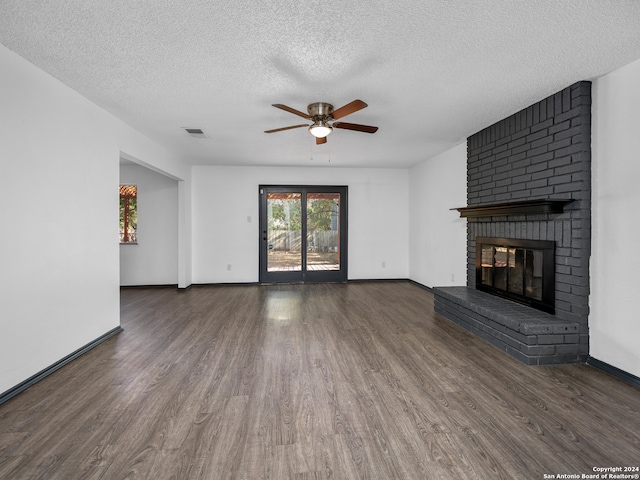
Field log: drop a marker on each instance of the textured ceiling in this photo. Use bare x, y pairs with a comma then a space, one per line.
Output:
432, 71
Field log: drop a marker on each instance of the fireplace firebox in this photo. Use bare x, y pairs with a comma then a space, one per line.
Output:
520, 270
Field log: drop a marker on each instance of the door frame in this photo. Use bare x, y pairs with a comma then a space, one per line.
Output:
303, 276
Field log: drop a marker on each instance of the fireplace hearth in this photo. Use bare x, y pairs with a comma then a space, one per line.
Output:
520, 270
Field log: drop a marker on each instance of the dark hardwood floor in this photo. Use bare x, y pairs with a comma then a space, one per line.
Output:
327, 381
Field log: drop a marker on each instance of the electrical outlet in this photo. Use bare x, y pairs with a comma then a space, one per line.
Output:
384, 264
228, 267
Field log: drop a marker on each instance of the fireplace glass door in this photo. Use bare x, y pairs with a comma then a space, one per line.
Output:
516, 270
519, 271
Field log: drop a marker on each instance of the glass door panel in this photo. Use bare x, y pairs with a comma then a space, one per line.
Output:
487, 264
533, 274
516, 272
284, 232
323, 231
500, 268
303, 234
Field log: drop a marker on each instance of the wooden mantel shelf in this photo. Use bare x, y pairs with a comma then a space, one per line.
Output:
515, 208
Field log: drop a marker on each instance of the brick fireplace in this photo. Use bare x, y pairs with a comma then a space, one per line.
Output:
529, 179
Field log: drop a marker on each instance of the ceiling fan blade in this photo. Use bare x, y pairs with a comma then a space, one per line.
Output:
286, 128
348, 109
291, 110
356, 127
320, 141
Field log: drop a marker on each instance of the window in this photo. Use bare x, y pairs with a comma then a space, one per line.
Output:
128, 213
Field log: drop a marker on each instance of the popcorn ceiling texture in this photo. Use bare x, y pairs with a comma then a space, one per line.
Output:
432, 71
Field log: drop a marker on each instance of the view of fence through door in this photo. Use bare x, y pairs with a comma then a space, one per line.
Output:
284, 231
323, 231
303, 234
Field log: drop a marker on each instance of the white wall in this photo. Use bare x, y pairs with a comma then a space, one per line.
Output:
154, 259
437, 235
59, 279
224, 198
614, 320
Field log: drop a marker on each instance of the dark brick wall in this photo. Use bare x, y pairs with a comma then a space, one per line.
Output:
541, 152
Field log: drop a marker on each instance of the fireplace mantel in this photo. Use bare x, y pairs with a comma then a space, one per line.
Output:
515, 208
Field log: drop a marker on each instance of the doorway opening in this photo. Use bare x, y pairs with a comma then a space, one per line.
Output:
303, 234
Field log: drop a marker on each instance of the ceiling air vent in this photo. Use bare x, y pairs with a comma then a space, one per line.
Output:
196, 133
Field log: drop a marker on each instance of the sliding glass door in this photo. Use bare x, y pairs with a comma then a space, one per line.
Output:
303, 234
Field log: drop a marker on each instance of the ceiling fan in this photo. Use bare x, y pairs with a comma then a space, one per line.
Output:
323, 116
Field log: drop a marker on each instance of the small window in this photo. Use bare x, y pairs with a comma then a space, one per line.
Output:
128, 213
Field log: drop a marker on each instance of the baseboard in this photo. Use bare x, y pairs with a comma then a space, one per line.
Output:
372, 280
615, 371
408, 280
351, 280
234, 284
418, 284
21, 387
167, 285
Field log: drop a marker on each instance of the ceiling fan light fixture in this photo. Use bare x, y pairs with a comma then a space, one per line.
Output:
320, 129
323, 117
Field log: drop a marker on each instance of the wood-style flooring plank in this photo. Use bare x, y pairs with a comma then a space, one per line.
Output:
325, 381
